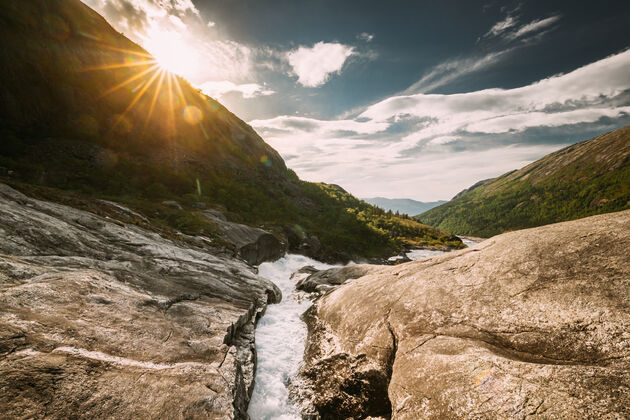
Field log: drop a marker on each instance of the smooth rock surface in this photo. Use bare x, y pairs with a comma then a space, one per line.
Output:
528, 324
100, 319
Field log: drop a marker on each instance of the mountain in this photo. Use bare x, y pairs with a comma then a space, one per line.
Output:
402, 205
587, 178
87, 115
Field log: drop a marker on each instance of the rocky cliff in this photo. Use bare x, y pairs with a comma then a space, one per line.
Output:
102, 319
528, 324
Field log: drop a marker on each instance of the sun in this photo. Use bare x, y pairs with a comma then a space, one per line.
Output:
172, 53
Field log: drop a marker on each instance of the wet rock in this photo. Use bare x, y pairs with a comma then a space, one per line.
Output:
305, 271
252, 244
109, 320
528, 324
398, 259
325, 279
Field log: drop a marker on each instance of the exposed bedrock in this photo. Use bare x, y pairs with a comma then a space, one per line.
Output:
100, 319
532, 323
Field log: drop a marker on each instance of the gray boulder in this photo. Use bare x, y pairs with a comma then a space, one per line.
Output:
252, 244
324, 280
528, 324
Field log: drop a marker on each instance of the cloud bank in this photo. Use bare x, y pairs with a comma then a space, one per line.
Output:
431, 146
247, 90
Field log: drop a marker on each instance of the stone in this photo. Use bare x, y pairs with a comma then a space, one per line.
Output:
254, 245
527, 324
305, 271
331, 277
110, 320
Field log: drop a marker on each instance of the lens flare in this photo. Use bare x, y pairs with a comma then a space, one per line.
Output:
192, 115
265, 160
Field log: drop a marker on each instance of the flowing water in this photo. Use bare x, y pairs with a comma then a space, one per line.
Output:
280, 338
281, 335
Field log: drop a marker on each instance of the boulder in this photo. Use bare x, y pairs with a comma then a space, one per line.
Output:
102, 319
325, 279
252, 244
528, 324
304, 272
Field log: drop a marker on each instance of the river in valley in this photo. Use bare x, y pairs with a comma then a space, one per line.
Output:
281, 336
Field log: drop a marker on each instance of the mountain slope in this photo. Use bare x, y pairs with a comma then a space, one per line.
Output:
86, 114
402, 205
587, 178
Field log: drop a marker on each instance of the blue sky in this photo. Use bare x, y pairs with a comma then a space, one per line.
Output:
416, 99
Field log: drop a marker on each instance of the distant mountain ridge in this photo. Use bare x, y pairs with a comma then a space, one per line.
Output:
587, 178
403, 205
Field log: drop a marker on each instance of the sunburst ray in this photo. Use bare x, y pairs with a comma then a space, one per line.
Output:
129, 80
120, 65
158, 89
137, 98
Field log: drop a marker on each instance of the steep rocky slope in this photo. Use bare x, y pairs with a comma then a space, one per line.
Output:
102, 319
84, 109
587, 178
527, 324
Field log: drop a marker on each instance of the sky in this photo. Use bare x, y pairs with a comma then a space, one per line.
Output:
399, 99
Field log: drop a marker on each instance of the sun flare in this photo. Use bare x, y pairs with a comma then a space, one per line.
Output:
172, 53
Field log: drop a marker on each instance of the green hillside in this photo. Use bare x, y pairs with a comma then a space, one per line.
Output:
86, 114
587, 178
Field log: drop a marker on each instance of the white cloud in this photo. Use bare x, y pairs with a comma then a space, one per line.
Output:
523, 121
501, 26
217, 89
591, 83
512, 38
364, 36
430, 146
317, 127
314, 65
211, 24
450, 70
532, 27
508, 29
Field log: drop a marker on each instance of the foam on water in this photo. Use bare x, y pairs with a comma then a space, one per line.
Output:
280, 339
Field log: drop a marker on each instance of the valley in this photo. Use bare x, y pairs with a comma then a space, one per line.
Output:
159, 259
